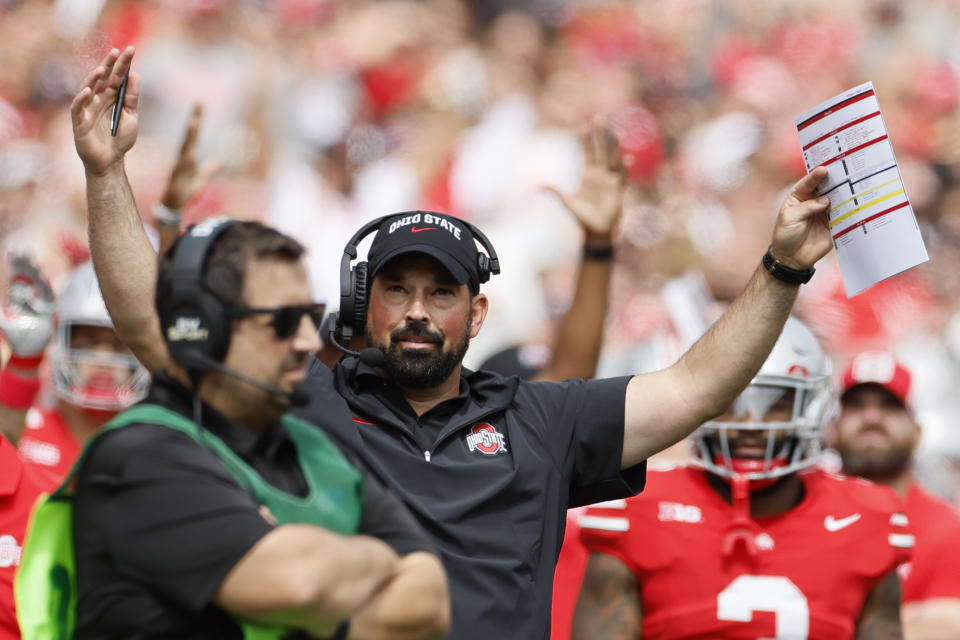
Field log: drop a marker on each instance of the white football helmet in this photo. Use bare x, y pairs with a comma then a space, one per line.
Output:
796, 367
121, 381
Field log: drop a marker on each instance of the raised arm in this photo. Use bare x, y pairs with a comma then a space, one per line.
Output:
609, 603
880, 616
663, 407
187, 178
597, 205
122, 256
26, 321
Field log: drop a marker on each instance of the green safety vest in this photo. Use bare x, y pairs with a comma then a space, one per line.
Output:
45, 584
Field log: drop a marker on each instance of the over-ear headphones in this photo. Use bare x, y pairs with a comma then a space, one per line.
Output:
197, 329
355, 282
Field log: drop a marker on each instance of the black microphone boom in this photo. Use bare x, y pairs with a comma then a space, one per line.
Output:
299, 396
371, 356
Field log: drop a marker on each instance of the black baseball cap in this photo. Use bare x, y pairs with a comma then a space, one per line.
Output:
440, 236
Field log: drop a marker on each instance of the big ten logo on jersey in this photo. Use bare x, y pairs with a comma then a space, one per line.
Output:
484, 438
430, 222
9, 552
676, 512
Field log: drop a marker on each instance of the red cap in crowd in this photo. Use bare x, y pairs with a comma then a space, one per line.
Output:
879, 368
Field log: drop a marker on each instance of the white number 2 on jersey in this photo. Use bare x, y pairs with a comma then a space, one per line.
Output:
747, 594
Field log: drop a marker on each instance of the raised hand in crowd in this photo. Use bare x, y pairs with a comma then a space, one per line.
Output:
598, 202
27, 323
597, 205
187, 179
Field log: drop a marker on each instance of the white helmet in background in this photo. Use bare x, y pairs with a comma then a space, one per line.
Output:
96, 379
796, 370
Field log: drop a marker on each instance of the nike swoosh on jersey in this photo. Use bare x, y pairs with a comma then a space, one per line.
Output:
833, 524
418, 230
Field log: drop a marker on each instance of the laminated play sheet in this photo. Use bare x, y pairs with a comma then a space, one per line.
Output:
875, 232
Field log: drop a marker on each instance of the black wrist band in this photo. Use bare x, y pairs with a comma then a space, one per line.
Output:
596, 252
784, 273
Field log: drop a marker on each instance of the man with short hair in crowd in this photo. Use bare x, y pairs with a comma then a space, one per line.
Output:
876, 435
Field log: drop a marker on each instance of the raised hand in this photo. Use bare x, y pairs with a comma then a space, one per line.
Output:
801, 235
26, 316
188, 176
92, 108
598, 202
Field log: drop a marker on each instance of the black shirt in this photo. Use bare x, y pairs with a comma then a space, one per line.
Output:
489, 474
159, 522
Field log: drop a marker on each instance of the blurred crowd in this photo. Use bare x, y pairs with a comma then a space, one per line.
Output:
328, 113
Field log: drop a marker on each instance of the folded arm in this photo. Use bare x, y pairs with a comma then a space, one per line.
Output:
306, 577
414, 603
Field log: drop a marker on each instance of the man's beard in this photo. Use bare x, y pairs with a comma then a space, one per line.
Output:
875, 464
422, 368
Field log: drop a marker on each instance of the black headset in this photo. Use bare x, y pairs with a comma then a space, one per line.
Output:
197, 330
354, 282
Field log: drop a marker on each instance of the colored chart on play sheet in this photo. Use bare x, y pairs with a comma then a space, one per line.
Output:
874, 230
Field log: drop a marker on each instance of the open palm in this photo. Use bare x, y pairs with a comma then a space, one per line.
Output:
92, 108
599, 200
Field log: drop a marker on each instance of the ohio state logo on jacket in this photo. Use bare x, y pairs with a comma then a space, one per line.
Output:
486, 439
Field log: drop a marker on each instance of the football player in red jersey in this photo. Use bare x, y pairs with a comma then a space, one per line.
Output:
95, 375
20, 484
749, 541
876, 435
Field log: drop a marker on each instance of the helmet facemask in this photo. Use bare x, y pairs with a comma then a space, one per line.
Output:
96, 379
774, 424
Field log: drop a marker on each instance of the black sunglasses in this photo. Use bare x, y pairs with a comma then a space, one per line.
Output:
286, 320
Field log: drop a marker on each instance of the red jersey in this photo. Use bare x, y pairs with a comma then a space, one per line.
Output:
567, 577
813, 567
20, 484
47, 441
934, 571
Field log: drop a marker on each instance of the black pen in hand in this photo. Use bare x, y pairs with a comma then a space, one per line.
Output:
118, 105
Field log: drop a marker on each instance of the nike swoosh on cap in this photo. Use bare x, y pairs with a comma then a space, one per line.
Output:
418, 230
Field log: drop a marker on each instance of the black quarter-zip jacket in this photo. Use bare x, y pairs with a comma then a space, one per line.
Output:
489, 475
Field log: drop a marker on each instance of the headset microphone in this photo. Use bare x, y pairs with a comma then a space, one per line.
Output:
371, 356
298, 396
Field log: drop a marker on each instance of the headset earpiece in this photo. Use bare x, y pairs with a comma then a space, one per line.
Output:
483, 267
487, 263
355, 283
361, 283
352, 318
197, 327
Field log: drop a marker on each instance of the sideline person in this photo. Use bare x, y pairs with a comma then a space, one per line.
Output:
487, 465
206, 511
876, 436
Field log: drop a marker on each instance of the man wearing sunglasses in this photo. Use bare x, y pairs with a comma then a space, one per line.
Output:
487, 464
207, 511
